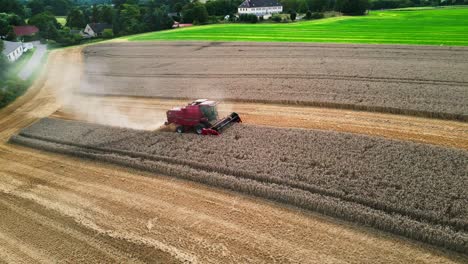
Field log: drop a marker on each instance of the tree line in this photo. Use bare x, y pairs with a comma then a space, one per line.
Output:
138, 16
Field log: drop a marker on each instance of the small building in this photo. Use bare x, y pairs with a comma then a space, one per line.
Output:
93, 30
260, 7
21, 31
12, 50
178, 25
27, 46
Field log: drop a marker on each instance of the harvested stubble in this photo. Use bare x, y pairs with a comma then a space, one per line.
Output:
411, 80
406, 188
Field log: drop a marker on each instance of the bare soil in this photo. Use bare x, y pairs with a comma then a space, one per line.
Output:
426, 81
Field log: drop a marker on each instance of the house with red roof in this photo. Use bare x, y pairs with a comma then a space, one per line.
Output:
21, 31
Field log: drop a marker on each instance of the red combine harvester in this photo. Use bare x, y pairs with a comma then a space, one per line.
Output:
200, 115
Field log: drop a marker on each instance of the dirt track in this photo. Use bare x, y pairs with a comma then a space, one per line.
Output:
60, 199
149, 113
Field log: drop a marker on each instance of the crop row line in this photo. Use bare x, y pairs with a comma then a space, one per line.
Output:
256, 56
283, 76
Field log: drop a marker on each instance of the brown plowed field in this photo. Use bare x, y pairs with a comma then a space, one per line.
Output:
111, 212
424, 81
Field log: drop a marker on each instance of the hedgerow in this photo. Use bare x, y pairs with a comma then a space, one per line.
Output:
406, 188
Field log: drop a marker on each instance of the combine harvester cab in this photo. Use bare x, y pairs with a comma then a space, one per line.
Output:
202, 116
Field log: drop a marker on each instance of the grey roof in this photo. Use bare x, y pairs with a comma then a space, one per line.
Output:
98, 28
259, 3
75, 31
9, 47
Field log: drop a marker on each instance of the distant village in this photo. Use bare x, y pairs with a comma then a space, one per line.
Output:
13, 50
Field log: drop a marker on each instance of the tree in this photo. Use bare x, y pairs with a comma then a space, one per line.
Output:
178, 7
303, 6
293, 15
59, 7
76, 19
47, 24
195, 12
200, 13
3, 63
221, 7
108, 33
106, 14
308, 15
129, 19
11, 36
36, 6
12, 6
276, 17
94, 14
352, 7
4, 25
158, 19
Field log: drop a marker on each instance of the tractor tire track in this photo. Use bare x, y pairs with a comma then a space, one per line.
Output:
281, 76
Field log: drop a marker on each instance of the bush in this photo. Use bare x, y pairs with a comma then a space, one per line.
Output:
249, 18
313, 15
176, 18
317, 15
276, 17
10, 89
213, 19
293, 15
108, 33
352, 7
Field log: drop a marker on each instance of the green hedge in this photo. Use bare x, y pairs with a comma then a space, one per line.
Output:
10, 89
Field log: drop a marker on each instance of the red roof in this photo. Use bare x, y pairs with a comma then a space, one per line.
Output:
25, 30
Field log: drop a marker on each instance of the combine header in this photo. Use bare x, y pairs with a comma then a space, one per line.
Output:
202, 116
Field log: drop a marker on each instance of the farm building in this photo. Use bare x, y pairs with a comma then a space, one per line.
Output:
95, 29
260, 7
12, 50
21, 31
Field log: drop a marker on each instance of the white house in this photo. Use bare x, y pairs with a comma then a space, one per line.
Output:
260, 7
12, 50
95, 29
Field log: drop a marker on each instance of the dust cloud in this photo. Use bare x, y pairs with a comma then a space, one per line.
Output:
99, 109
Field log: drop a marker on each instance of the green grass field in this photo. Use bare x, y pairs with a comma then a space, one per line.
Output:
62, 20
440, 26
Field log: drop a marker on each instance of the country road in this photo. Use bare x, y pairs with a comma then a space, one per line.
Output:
57, 208
34, 61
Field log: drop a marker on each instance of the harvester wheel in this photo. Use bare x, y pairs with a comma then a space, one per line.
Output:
199, 129
180, 129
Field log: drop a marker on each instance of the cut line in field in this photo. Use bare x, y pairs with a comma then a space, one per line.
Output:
150, 111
